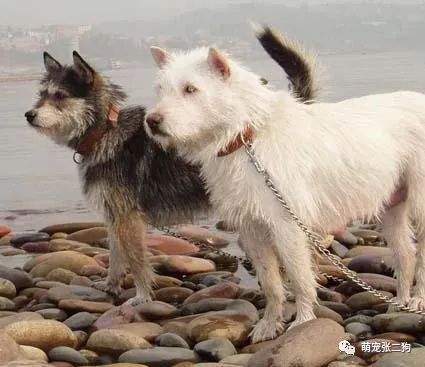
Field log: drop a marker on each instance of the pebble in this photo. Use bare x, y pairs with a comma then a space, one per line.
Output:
241, 359
290, 350
19, 239
92, 236
163, 281
7, 288
66, 354
171, 340
81, 305
378, 281
361, 331
36, 247
372, 264
346, 238
173, 295
146, 330
398, 337
202, 235
364, 300
77, 292
116, 316
33, 353
61, 275
170, 245
368, 235
46, 284
115, 342
80, 321
19, 278
43, 334
65, 244
69, 260
199, 278
53, 314
83, 281
399, 322
180, 264
222, 290
369, 250
157, 310
70, 227
5, 240
12, 251
159, 356
358, 318
89, 270
339, 249
415, 358
6, 304
326, 313
215, 349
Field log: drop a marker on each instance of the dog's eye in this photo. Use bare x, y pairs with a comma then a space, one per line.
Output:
59, 96
189, 89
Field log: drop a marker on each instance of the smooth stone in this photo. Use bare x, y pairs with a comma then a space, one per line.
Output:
170, 245
115, 342
34, 293
5, 240
339, 249
238, 359
326, 294
124, 365
66, 354
12, 251
43, 334
69, 260
180, 264
83, 281
61, 275
332, 270
377, 281
41, 306
6, 304
53, 314
171, 340
364, 300
368, 235
157, 310
91, 251
81, 305
340, 308
69, 228
78, 292
326, 313
81, 337
347, 238
33, 353
116, 316
227, 324
65, 244
28, 363
369, 250
22, 316
358, 318
215, 349
163, 281
358, 329
7, 288
202, 235
80, 321
4, 230
222, 290
372, 264
47, 284
159, 356
36, 247
399, 322
89, 270
321, 336
415, 358
92, 236
9, 349
398, 337
173, 295
19, 239
199, 278
58, 235
146, 330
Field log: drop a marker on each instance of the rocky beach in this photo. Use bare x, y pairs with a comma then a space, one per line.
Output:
203, 310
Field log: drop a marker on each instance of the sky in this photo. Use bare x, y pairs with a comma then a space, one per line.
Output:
36, 12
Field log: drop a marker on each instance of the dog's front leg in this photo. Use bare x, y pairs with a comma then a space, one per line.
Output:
131, 237
296, 256
256, 242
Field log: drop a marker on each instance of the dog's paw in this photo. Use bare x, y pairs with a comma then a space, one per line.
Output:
136, 301
265, 330
417, 303
105, 286
396, 308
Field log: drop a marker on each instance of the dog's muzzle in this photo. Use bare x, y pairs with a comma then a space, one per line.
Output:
30, 116
154, 120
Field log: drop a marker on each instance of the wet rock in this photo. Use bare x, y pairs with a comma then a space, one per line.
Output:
413, 359
65, 244
33, 353
80, 321
170, 245
290, 349
116, 316
43, 334
180, 264
364, 300
7, 288
77, 292
377, 281
173, 295
66, 354
202, 235
81, 305
6, 304
146, 330
19, 278
221, 290
70, 227
227, 324
159, 356
19, 239
36, 247
9, 350
69, 260
92, 236
399, 322
53, 314
215, 349
61, 275
171, 340
115, 342
157, 310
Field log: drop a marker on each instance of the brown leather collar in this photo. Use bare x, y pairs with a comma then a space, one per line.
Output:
234, 145
93, 135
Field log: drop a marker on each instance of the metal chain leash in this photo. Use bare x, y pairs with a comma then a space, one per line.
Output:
315, 238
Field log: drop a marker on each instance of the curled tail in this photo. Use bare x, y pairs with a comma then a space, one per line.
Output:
299, 65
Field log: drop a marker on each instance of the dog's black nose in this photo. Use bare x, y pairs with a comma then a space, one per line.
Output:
154, 119
30, 115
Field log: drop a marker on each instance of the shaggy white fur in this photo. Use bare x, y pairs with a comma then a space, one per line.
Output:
333, 162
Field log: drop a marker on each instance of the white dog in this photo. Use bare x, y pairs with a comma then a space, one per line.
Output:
333, 162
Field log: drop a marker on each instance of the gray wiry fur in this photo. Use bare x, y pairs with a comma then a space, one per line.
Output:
127, 176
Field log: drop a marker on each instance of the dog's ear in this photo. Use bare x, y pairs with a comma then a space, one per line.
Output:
160, 56
85, 70
218, 62
50, 63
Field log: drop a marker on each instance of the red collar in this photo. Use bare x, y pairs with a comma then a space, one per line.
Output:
234, 145
93, 135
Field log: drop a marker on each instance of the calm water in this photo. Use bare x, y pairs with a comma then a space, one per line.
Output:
39, 182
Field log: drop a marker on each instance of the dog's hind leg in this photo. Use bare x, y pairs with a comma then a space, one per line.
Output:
256, 242
397, 233
130, 232
296, 256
